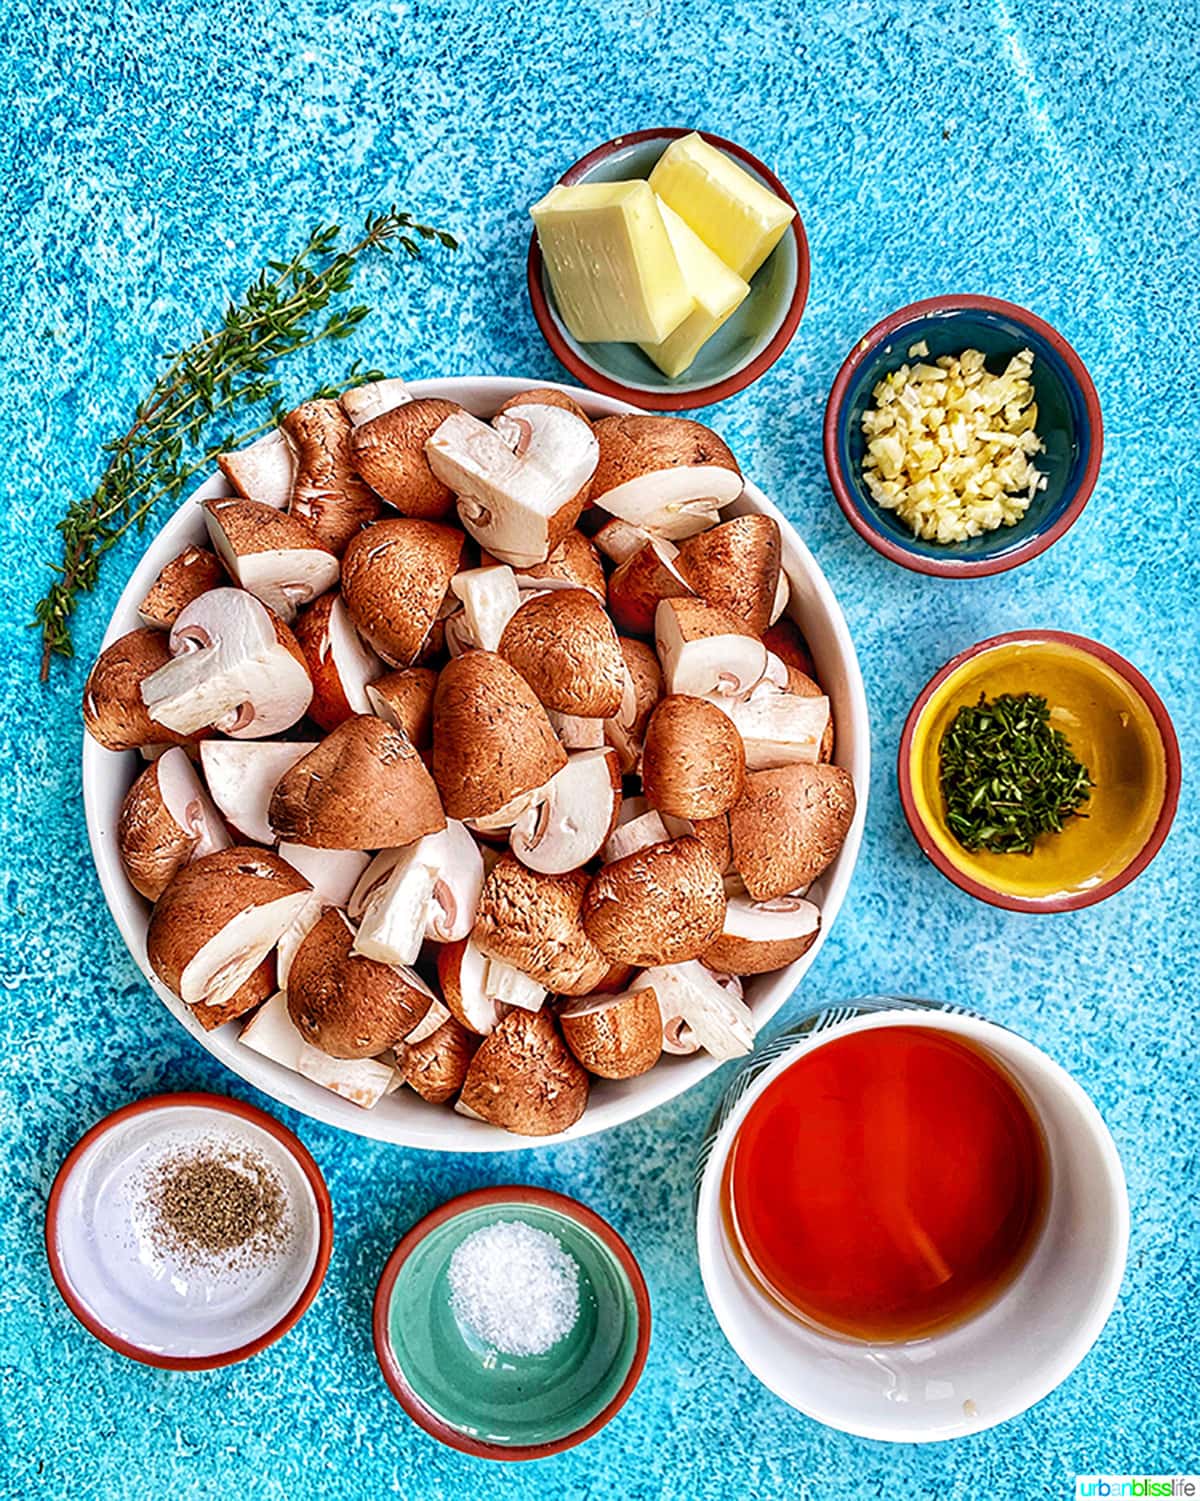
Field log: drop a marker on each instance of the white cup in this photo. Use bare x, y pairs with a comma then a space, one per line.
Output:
1005, 1357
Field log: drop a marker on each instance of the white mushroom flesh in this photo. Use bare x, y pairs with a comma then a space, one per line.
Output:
242, 775
577, 733
688, 993
569, 818
674, 503
777, 728
428, 889
490, 598
185, 799
264, 470
333, 874
362, 403
727, 665
638, 834
220, 967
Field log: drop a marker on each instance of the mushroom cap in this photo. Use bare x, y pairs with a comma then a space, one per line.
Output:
668, 473
545, 396
573, 561
270, 554
789, 826
645, 577
532, 921
492, 740
258, 986
404, 698
193, 573
340, 663
693, 764
524, 1077
436, 1067
660, 905
761, 936
345, 1004
229, 887
704, 649
735, 566
365, 787
564, 646
784, 639
328, 495
614, 1036
626, 730
165, 819
389, 452
113, 710
394, 579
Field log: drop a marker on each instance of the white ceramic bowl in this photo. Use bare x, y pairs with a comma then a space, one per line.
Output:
403, 1118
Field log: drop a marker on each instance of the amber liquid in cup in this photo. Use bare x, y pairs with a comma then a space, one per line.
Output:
888, 1184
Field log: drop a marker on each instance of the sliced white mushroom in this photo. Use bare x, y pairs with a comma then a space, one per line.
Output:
669, 475
521, 482
776, 727
577, 733
232, 666
502, 820
783, 593
618, 540
490, 598
305, 920
166, 820
342, 666
698, 657
428, 889
509, 986
242, 774
689, 995
480, 991
643, 827
361, 403
571, 816
762, 936
264, 470
273, 556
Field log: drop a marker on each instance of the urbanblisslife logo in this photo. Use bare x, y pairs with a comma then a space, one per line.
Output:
1113, 1486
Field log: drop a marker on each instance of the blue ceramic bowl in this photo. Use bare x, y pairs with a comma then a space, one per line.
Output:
745, 345
1069, 425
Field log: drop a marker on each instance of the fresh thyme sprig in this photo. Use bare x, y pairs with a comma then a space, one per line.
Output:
226, 371
1007, 775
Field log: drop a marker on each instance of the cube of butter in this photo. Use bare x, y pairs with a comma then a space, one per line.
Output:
610, 262
717, 290
732, 212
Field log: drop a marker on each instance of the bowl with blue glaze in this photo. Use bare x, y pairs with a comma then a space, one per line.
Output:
746, 345
1069, 424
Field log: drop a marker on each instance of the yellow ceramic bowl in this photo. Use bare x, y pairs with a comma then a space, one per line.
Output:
1118, 728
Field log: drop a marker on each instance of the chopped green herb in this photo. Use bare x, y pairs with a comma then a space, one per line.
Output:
1008, 776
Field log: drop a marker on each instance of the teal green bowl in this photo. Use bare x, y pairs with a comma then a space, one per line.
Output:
501, 1406
746, 345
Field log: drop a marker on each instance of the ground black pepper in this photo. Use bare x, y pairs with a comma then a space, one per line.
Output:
211, 1203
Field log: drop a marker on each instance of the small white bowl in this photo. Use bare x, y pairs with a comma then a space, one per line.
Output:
1001, 1360
404, 1118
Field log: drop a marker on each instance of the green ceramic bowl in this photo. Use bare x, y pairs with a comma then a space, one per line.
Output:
746, 345
506, 1406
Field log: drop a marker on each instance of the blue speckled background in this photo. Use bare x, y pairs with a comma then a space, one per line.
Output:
152, 157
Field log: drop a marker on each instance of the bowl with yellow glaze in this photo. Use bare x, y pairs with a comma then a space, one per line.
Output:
1117, 726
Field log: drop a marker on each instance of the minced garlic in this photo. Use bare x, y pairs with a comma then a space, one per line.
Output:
949, 444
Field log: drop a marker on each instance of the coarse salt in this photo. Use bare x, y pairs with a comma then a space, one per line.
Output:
515, 1287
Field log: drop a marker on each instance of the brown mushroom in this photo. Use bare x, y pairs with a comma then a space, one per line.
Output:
389, 451
564, 646
193, 573
668, 474
693, 765
545, 396
254, 990
626, 730
705, 650
405, 699
492, 740
328, 495
394, 579
735, 566
270, 554
660, 905
436, 1066
614, 1036
347, 1005
340, 663
263, 470
365, 787
789, 826
784, 639
166, 820
113, 710
532, 921
640, 582
760, 936
524, 1078
573, 561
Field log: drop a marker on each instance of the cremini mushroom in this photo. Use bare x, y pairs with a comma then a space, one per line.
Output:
263, 470
394, 579
113, 709
619, 540
660, 905
704, 650
234, 665
364, 787
693, 764
249, 995
626, 730
569, 819
524, 1078
271, 1033
492, 741
574, 561
490, 598
640, 582
532, 921
219, 919
333, 874
761, 936
436, 1065
270, 554
522, 482
638, 826
405, 699
544, 396
425, 890
167, 819
614, 1036
736, 566
479, 991
697, 1008
340, 663
564, 646
789, 826
362, 403
577, 732
783, 639
713, 834
345, 1004
193, 573
389, 452
242, 776
667, 474
778, 726
328, 495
